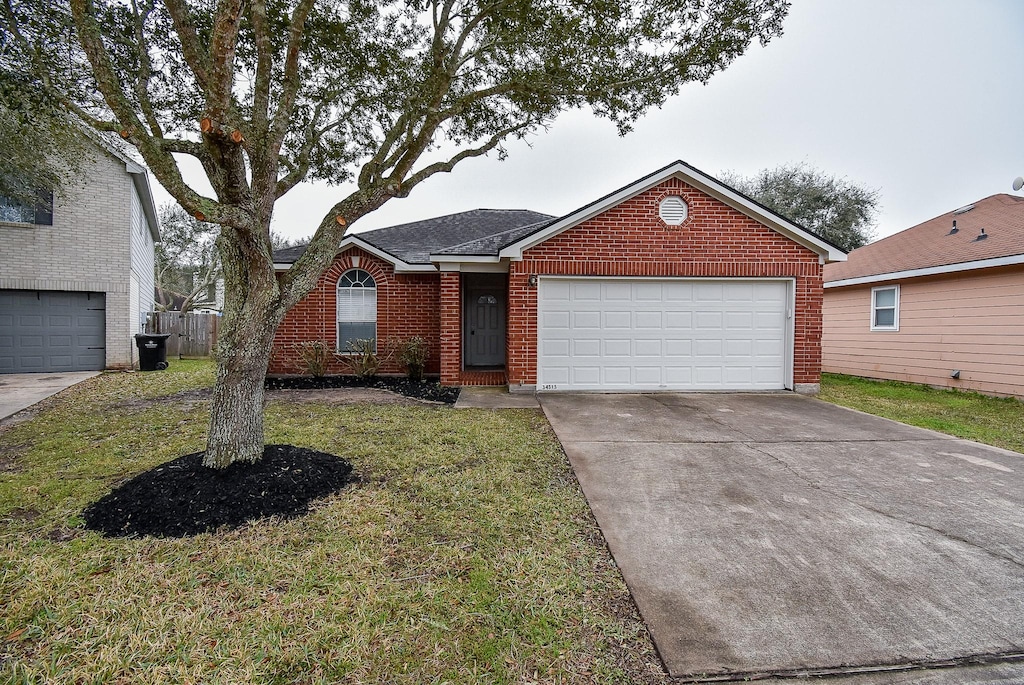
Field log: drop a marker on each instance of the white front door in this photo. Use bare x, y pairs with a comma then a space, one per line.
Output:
631, 334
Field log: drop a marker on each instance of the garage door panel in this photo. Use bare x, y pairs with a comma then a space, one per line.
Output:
52, 331
648, 291
647, 375
738, 292
586, 319
708, 320
586, 375
678, 348
649, 320
551, 320
643, 334
678, 292
708, 292
621, 376
618, 319
584, 291
557, 291
648, 348
739, 348
586, 347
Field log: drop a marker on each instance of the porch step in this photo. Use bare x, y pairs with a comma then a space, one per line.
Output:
497, 377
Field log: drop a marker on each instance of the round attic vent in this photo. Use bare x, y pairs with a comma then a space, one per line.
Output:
673, 210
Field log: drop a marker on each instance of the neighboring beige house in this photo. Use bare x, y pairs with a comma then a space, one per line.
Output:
76, 270
941, 303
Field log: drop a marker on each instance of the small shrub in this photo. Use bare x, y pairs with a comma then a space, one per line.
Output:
363, 360
412, 354
314, 357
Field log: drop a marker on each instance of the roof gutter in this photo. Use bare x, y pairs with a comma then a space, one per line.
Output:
929, 271
140, 178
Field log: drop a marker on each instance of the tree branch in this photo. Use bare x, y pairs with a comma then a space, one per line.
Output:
145, 69
188, 36
445, 167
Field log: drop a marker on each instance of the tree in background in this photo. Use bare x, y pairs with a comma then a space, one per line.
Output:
838, 210
186, 263
266, 95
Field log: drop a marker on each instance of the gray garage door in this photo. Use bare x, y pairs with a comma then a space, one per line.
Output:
43, 330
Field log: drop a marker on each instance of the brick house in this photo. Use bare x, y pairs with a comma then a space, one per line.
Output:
940, 303
76, 270
673, 282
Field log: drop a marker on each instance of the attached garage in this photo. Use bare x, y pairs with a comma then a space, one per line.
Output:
42, 330
616, 334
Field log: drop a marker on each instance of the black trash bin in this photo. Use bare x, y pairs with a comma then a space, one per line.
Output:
152, 350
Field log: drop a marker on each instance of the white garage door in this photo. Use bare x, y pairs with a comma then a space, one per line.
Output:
620, 334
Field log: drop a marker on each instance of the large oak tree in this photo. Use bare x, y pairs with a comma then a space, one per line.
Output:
267, 94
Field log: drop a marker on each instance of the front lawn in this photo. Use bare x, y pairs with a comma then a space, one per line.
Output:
465, 554
995, 421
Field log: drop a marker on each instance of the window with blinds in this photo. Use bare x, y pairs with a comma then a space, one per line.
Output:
357, 309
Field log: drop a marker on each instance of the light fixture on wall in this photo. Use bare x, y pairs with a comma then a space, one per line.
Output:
532, 281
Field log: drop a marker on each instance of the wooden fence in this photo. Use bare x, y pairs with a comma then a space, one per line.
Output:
193, 334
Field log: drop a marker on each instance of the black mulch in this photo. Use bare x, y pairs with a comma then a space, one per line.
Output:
423, 390
182, 497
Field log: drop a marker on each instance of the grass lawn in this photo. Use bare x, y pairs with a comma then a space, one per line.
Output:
995, 421
466, 554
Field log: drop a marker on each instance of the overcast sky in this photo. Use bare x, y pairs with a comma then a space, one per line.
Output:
921, 99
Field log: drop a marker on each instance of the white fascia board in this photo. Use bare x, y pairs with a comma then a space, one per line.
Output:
929, 271
464, 259
140, 178
697, 180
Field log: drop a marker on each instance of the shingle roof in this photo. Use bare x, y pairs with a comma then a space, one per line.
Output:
931, 244
476, 232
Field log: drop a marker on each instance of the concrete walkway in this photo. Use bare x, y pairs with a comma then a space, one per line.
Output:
492, 397
777, 534
20, 391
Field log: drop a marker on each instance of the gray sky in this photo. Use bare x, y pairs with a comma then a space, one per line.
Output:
923, 100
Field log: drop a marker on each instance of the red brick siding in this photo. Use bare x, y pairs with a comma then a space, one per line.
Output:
407, 306
631, 240
451, 327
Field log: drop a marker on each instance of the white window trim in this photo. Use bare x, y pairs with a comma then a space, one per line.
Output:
337, 314
896, 308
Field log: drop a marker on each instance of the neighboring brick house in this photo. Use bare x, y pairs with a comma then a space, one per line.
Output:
941, 303
674, 282
76, 271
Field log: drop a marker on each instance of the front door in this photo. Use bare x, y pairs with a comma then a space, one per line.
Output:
485, 324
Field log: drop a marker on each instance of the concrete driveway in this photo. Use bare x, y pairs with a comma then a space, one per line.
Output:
21, 390
777, 534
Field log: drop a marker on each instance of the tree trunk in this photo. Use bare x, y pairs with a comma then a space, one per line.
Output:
245, 340
236, 413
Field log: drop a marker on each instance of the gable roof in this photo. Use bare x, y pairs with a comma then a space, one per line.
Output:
698, 179
409, 246
931, 247
494, 234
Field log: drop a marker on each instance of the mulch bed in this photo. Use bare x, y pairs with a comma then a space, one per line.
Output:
432, 391
182, 497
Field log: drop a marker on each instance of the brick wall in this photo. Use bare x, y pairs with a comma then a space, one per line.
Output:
407, 306
631, 240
